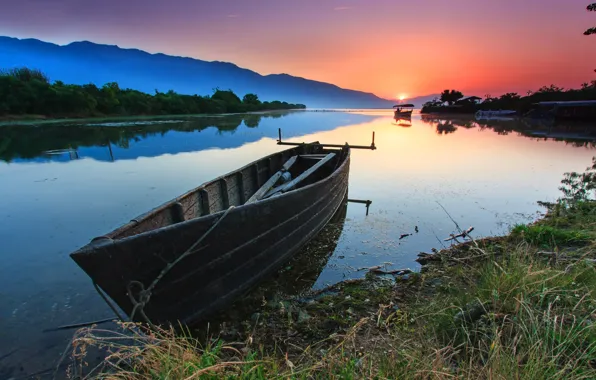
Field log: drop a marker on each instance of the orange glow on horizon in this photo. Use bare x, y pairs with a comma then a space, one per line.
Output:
473, 46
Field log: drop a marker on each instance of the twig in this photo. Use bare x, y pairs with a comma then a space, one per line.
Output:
370, 269
103, 296
9, 354
77, 325
464, 234
439, 240
449, 215
399, 271
67, 349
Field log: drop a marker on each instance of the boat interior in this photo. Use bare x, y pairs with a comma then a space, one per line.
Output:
268, 177
403, 108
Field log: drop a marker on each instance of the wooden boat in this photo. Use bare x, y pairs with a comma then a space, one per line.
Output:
403, 110
194, 254
300, 275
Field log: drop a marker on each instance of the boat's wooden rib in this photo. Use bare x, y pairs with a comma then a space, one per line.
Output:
252, 240
258, 195
293, 183
313, 156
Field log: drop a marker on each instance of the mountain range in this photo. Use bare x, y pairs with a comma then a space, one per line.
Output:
86, 62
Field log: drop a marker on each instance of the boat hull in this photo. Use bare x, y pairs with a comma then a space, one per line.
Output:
403, 114
249, 242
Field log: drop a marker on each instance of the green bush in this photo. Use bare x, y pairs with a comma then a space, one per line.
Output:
25, 91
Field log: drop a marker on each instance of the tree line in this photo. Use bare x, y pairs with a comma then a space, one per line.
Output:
512, 100
453, 101
25, 91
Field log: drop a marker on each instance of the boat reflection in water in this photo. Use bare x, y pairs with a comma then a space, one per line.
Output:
403, 121
297, 277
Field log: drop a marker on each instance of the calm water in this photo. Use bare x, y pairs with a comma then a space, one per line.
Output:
60, 186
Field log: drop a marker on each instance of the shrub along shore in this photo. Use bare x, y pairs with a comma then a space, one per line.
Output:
28, 94
520, 306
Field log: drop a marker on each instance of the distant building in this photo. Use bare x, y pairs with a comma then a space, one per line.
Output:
469, 100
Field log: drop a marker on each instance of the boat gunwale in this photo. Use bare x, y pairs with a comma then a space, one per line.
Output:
165, 205
105, 240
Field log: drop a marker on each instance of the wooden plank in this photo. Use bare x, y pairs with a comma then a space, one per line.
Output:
292, 184
204, 199
269, 167
255, 175
275, 190
240, 187
371, 147
225, 198
177, 212
259, 194
313, 156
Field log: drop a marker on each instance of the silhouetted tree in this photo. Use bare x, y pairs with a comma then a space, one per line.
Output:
451, 96
591, 8
550, 89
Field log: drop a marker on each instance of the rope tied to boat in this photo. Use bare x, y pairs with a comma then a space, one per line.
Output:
144, 295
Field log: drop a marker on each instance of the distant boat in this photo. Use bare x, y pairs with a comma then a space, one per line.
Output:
499, 114
280, 202
403, 110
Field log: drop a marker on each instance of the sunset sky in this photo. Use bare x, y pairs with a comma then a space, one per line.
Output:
388, 47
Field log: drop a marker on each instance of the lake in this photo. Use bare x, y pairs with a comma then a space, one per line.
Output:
62, 185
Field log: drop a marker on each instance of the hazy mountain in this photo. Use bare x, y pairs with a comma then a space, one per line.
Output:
87, 62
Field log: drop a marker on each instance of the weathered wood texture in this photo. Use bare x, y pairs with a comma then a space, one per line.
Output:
250, 242
258, 195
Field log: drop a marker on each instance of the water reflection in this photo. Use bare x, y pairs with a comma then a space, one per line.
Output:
403, 121
577, 134
64, 184
52, 202
121, 140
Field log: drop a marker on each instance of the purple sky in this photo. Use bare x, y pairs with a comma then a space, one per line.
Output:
388, 47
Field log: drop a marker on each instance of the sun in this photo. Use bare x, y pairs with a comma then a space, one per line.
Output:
402, 97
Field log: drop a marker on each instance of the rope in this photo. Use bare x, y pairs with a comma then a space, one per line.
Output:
145, 294
108, 302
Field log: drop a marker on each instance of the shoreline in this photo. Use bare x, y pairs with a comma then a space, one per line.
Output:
44, 120
460, 315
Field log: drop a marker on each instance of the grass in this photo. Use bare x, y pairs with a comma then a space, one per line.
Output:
501, 308
547, 236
